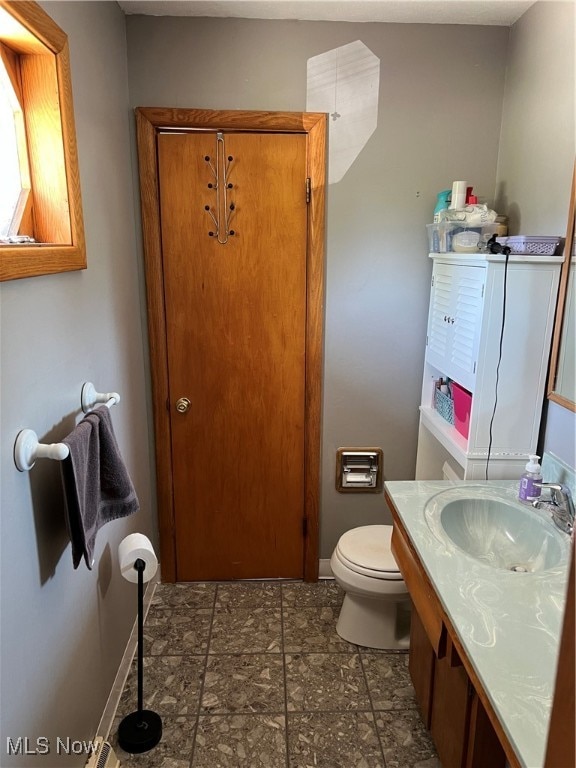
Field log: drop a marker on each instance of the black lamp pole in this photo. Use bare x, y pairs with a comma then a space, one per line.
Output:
141, 730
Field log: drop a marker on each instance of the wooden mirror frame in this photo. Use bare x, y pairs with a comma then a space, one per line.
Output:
560, 307
41, 62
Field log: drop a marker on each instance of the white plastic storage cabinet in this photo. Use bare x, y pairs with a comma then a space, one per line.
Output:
463, 344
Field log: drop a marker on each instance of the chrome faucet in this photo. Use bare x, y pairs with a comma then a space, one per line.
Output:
560, 504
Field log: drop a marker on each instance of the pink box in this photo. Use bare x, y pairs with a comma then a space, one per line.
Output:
462, 407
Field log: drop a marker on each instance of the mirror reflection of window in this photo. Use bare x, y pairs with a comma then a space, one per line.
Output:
41, 224
15, 188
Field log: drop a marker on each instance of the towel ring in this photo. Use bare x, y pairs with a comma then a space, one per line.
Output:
27, 449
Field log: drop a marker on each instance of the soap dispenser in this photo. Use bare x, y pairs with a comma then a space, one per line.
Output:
528, 491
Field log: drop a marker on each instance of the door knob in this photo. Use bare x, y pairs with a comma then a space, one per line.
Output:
182, 405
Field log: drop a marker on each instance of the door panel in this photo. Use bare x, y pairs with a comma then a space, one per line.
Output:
235, 316
455, 321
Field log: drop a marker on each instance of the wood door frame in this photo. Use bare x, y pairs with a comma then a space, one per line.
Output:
149, 120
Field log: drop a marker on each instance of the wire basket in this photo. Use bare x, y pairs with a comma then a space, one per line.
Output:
444, 405
533, 244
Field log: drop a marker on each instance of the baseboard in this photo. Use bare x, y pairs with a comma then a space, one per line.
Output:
107, 719
324, 570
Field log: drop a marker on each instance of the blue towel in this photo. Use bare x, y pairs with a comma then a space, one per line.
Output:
97, 485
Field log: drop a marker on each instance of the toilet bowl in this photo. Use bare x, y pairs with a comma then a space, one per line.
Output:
376, 608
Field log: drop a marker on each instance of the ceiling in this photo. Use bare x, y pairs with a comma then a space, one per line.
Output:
488, 12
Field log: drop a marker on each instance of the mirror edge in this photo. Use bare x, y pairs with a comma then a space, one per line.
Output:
562, 290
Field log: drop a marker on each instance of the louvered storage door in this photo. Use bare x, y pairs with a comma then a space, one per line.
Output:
439, 330
455, 321
468, 289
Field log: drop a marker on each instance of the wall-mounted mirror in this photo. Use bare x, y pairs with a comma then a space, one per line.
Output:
562, 380
41, 223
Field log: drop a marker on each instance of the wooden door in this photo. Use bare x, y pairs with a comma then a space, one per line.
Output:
235, 304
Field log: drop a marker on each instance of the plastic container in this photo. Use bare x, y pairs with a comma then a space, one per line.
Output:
531, 244
502, 224
462, 407
466, 241
527, 490
440, 236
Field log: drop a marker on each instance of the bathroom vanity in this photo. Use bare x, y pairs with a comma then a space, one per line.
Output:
485, 638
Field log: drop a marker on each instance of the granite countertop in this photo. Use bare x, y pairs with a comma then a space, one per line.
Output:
509, 623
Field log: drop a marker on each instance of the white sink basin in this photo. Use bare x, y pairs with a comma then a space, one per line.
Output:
494, 530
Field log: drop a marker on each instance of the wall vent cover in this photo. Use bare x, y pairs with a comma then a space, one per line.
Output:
103, 755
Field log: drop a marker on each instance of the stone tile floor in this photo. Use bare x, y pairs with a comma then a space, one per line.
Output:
253, 675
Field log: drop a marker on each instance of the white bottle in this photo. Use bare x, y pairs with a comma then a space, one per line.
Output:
458, 194
528, 491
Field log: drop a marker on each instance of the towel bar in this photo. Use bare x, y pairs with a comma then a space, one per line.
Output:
89, 397
27, 448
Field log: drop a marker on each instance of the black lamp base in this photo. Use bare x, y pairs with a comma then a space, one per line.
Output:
140, 731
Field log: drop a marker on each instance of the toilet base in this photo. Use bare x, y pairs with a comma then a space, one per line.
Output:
373, 623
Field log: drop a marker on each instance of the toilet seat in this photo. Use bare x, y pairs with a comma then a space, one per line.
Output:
367, 550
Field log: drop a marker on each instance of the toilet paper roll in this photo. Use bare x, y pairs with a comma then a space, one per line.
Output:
458, 199
135, 546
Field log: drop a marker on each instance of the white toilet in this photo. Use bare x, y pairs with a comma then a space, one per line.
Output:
376, 609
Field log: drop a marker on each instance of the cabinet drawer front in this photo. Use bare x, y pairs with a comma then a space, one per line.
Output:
421, 592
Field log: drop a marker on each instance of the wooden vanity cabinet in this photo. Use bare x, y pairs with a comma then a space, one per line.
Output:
451, 707
484, 749
460, 727
450, 711
421, 662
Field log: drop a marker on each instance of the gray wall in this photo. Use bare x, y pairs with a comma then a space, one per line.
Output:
537, 150
64, 631
441, 91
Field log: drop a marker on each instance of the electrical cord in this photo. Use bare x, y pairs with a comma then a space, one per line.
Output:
495, 247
